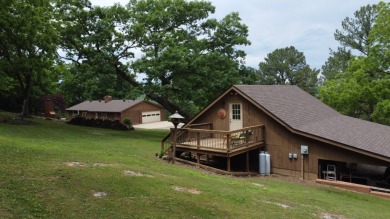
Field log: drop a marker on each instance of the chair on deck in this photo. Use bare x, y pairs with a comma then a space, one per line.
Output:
239, 138
330, 173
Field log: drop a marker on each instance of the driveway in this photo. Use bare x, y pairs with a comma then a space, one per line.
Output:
156, 125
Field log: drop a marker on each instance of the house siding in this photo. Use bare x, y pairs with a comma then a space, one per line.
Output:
135, 112
280, 141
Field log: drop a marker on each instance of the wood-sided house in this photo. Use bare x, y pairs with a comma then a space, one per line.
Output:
138, 111
282, 120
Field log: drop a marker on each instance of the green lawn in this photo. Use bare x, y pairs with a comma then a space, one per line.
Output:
37, 181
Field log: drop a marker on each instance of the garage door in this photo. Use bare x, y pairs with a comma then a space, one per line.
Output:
151, 116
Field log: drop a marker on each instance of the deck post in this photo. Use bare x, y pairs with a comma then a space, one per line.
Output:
174, 146
198, 158
198, 139
247, 161
228, 164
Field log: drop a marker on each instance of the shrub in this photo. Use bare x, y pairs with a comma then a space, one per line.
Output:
100, 123
127, 121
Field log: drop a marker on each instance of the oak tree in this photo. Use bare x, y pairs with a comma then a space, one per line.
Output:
28, 46
183, 57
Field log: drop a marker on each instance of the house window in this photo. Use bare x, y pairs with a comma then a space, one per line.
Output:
75, 113
236, 111
96, 115
84, 114
116, 116
104, 116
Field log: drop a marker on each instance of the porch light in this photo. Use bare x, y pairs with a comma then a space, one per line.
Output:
176, 118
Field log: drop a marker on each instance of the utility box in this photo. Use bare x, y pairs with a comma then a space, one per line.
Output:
304, 149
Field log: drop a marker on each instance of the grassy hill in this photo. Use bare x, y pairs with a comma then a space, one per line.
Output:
50, 169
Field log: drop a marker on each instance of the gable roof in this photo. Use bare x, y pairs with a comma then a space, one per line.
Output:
300, 111
100, 106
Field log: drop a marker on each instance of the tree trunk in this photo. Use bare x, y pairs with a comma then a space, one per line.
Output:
26, 94
172, 108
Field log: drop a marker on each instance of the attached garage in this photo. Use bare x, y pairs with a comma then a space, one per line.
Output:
138, 111
151, 116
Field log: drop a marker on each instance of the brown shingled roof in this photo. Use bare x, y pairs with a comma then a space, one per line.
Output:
101, 106
302, 112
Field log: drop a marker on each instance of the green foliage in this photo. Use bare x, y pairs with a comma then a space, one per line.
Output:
382, 112
356, 92
355, 31
362, 89
288, 66
186, 58
337, 63
380, 38
28, 40
249, 75
91, 85
127, 121
38, 181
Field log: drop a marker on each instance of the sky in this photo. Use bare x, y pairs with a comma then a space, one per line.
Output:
308, 25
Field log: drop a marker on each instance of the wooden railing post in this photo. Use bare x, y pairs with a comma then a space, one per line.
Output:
228, 142
263, 133
198, 139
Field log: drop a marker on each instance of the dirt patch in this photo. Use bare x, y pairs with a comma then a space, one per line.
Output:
258, 185
331, 216
182, 189
81, 164
278, 204
4, 214
133, 173
99, 194
101, 165
75, 164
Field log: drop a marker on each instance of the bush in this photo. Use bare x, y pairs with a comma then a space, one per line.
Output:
116, 125
127, 121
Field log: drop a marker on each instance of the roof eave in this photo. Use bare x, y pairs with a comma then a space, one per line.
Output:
295, 131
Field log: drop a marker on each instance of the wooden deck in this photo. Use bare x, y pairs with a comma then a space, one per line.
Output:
205, 141
218, 147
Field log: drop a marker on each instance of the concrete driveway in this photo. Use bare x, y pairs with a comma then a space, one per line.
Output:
156, 125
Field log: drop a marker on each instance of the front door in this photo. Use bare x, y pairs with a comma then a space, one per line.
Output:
235, 117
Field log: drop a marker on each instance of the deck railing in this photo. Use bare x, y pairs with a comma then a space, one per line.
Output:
205, 139
202, 137
167, 141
